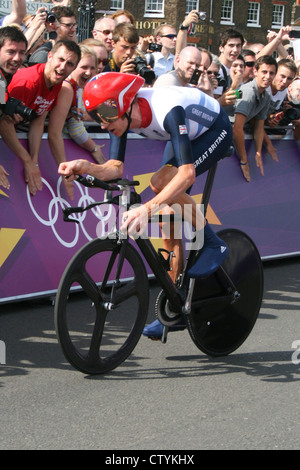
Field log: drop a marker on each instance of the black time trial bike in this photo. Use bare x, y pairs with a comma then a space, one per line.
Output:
103, 297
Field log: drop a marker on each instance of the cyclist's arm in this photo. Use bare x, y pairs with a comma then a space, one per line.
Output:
110, 170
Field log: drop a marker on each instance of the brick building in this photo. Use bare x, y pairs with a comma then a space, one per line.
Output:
252, 18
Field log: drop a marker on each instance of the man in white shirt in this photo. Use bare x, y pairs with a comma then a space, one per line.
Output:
163, 61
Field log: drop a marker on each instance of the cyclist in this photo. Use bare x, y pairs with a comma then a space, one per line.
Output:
198, 134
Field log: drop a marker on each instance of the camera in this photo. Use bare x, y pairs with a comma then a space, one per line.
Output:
238, 94
142, 70
50, 17
289, 115
221, 81
195, 77
155, 47
295, 34
14, 106
201, 15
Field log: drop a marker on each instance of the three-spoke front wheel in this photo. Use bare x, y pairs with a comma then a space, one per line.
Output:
101, 305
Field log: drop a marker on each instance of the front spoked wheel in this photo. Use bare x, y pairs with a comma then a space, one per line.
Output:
101, 306
219, 326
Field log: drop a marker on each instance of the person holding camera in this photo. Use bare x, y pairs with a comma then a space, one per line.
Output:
188, 71
37, 88
61, 24
124, 57
162, 58
13, 45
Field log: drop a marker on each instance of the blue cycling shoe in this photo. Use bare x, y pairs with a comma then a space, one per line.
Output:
214, 253
155, 329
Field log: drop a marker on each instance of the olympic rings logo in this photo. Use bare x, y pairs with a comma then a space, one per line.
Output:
58, 203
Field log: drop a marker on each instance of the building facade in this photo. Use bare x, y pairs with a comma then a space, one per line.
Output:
252, 18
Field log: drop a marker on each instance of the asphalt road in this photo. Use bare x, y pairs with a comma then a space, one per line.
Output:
163, 397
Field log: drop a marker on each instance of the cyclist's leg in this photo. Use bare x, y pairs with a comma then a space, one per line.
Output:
186, 207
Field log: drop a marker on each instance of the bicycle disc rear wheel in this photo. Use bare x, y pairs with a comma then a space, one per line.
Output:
219, 328
99, 320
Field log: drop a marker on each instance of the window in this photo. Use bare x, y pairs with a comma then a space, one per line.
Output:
116, 5
154, 8
192, 5
227, 12
278, 16
253, 14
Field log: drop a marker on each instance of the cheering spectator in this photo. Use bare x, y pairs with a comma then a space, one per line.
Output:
38, 87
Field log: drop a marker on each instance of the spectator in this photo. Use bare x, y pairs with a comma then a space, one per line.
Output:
256, 48
38, 87
67, 21
185, 64
231, 43
285, 75
184, 28
123, 16
249, 57
162, 62
293, 101
103, 31
124, 42
66, 29
61, 3
189, 60
227, 100
254, 105
274, 43
100, 51
13, 46
68, 110
18, 11
35, 28
213, 71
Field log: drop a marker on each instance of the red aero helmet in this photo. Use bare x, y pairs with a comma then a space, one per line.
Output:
108, 96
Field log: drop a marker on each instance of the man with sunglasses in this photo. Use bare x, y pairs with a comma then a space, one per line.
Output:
249, 58
163, 61
103, 31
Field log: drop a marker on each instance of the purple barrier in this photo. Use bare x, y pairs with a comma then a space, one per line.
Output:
36, 245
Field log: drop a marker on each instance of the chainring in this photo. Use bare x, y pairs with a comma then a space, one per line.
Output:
163, 312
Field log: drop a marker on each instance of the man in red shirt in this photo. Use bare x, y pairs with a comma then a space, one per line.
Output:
38, 87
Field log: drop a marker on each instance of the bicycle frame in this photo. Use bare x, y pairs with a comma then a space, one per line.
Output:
173, 293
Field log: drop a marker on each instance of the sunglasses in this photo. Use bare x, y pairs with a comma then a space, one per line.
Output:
249, 64
103, 61
210, 72
106, 32
170, 36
